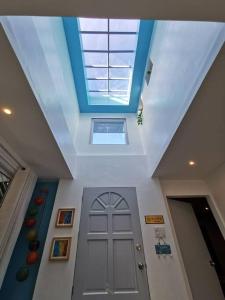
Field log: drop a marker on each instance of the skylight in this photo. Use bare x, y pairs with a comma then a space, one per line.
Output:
108, 48
108, 59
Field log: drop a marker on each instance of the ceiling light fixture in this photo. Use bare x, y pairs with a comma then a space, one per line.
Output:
191, 163
7, 111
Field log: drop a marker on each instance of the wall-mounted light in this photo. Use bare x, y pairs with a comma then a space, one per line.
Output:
6, 110
191, 163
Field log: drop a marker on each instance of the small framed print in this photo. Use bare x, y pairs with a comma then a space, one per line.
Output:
60, 248
65, 217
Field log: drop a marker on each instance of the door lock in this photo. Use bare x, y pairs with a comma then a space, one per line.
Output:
141, 266
138, 247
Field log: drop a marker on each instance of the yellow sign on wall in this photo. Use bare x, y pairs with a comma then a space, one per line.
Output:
154, 219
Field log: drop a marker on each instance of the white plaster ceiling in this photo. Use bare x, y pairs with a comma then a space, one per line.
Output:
26, 130
201, 134
213, 10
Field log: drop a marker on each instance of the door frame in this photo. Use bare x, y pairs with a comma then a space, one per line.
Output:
218, 218
78, 236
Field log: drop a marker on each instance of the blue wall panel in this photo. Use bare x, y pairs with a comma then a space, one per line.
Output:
12, 289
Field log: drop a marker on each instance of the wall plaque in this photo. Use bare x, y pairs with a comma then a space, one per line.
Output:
162, 249
154, 219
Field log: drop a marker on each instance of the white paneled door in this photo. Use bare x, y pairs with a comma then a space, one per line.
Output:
110, 260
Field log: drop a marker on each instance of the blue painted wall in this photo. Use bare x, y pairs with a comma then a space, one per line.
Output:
11, 288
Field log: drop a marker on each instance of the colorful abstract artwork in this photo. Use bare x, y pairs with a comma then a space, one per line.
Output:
65, 217
60, 248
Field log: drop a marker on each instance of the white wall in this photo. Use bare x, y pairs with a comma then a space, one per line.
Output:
165, 276
134, 146
41, 48
192, 188
216, 183
97, 165
182, 53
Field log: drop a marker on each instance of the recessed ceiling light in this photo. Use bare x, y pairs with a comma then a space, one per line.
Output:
7, 111
206, 208
191, 163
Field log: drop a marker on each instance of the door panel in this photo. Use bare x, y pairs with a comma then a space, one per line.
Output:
98, 224
121, 223
124, 267
202, 277
107, 256
96, 264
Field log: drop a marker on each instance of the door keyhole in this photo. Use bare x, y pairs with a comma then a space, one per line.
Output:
141, 266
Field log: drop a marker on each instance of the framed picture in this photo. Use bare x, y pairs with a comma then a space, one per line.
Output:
65, 217
60, 248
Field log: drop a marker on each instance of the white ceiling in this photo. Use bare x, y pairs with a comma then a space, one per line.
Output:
213, 10
26, 130
201, 135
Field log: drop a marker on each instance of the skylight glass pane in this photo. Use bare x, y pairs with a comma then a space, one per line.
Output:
109, 49
99, 94
121, 59
122, 41
94, 41
119, 94
119, 73
97, 73
124, 25
96, 59
97, 85
87, 24
118, 85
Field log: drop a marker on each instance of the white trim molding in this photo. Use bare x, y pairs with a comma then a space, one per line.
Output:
12, 214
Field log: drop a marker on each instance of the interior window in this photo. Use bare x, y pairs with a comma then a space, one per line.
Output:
109, 132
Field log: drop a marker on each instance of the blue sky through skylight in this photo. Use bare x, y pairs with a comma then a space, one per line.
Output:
109, 47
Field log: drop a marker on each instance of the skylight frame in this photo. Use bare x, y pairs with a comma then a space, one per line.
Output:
126, 96
71, 29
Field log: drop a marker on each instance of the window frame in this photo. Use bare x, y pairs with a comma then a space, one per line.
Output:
113, 50
111, 120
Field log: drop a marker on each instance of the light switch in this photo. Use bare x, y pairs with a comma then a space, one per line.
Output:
160, 232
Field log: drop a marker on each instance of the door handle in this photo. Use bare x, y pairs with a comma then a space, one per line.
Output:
212, 264
140, 266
